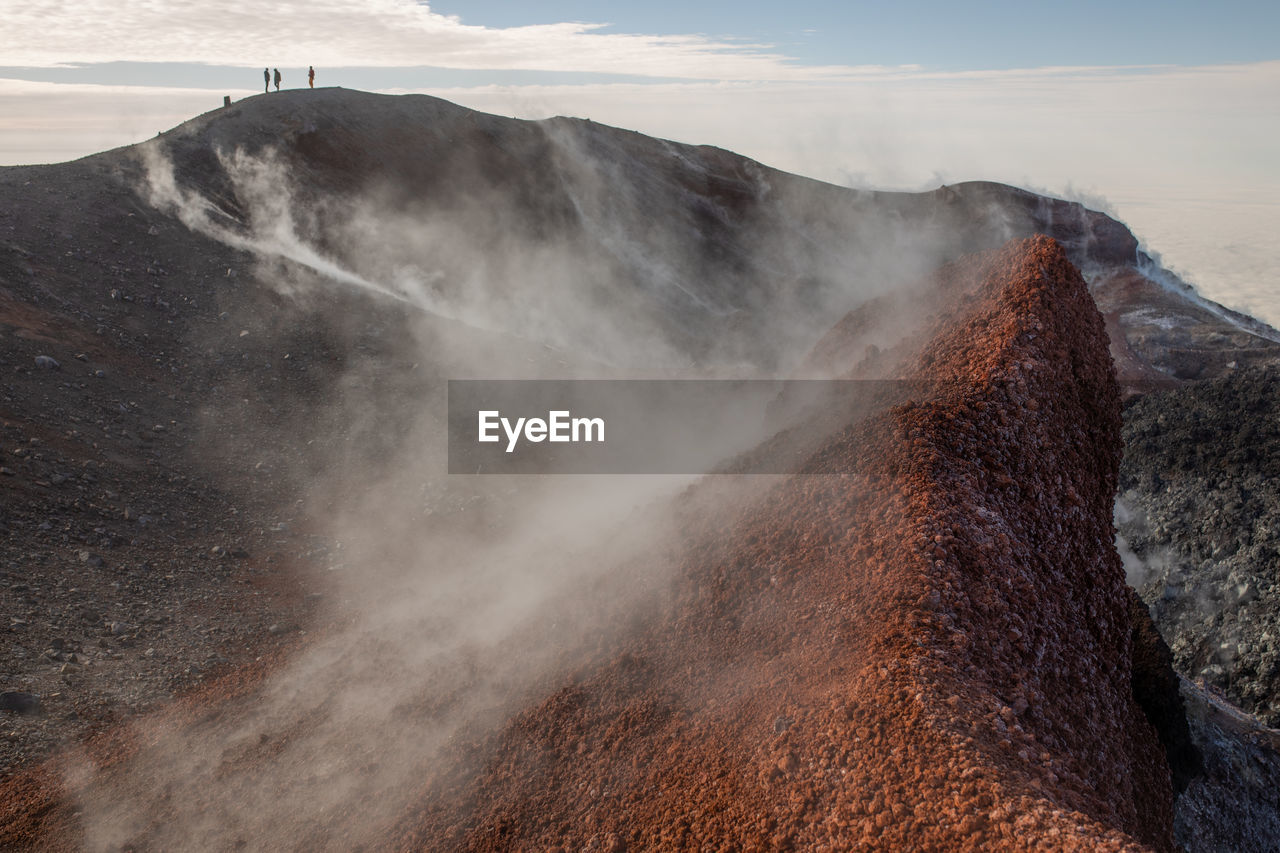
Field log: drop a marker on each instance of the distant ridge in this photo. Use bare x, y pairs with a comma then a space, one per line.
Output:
702, 248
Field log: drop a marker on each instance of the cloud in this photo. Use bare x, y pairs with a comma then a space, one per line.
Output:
374, 33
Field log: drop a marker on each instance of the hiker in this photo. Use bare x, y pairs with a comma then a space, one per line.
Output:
311, 76
277, 79
266, 80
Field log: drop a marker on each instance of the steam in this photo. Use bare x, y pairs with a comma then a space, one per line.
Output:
457, 265
447, 635
1138, 571
459, 599
1150, 265
270, 232
1183, 603
656, 268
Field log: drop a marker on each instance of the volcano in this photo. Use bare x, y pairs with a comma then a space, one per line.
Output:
249, 609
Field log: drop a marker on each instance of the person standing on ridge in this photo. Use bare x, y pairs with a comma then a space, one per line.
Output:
277, 79
266, 80
311, 76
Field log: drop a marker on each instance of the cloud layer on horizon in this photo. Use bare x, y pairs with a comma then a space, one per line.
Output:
375, 33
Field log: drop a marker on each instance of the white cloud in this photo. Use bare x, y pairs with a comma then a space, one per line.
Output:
371, 33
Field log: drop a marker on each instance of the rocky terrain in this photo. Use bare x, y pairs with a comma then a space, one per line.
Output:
131, 567
223, 353
1201, 511
1230, 803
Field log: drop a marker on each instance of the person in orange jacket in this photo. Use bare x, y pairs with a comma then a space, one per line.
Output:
311, 76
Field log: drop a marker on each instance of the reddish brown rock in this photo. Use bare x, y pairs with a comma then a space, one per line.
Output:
932, 652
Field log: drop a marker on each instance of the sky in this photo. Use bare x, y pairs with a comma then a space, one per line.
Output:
1162, 113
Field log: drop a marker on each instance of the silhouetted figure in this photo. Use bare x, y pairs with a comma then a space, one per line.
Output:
266, 80
277, 79
311, 76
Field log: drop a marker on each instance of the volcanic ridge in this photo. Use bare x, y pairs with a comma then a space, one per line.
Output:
226, 349
932, 651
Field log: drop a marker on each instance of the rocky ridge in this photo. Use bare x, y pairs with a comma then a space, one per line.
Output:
899, 689
721, 257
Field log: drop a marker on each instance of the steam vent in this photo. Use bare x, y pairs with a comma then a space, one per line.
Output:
931, 652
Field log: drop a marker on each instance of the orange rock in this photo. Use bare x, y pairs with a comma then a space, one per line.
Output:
917, 722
